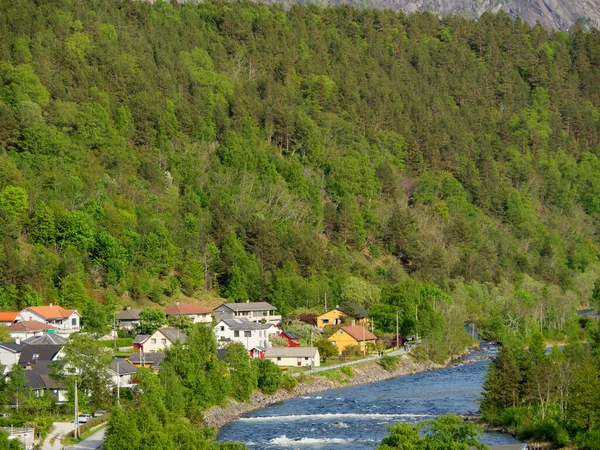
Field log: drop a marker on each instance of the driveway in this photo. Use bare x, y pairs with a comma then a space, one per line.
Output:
58, 430
91, 443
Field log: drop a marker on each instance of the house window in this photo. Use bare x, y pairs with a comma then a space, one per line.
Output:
247, 333
341, 332
305, 358
153, 340
236, 334
74, 321
299, 363
163, 341
325, 320
222, 328
35, 356
279, 358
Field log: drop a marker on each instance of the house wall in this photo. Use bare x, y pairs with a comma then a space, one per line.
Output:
22, 335
157, 342
250, 339
8, 358
200, 318
342, 340
292, 361
337, 317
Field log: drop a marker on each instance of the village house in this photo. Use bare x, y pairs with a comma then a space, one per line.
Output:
129, 319
159, 340
148, 360
292, 339
64, 320
254, 312
7, 318
241, 329
10, 352
198, 314
122, 373
352, 335
343, 316
294, 356
41, 381
29, 328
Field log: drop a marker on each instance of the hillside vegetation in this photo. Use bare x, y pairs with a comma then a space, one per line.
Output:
389, 161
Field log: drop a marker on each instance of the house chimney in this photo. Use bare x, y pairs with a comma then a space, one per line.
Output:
129, 308
50, 304
177, 303
17, 340
247, 301
337, 306
353, 322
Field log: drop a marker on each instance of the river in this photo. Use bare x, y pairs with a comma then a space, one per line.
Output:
356, 417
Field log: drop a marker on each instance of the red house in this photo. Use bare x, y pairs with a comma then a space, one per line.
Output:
293, 340
257, 353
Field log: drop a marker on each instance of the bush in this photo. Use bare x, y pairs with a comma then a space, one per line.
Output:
353, 350
269, 375
544, 430
589, 440
388, 363
347, 370
288, 382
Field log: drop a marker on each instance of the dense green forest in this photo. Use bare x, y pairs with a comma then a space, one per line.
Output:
444, 168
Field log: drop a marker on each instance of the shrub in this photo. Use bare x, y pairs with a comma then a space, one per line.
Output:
288, 382
347, 370
353, 350
388, 363
269, 375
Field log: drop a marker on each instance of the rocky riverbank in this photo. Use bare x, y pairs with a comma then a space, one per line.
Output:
370, 372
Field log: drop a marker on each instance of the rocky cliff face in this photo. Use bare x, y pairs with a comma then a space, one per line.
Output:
552, 14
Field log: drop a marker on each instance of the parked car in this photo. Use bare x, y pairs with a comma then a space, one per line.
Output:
99, 413
83, 418
4, 415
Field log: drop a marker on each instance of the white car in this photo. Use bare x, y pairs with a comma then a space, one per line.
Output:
83, 418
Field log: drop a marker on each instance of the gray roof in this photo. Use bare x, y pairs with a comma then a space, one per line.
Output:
129, 314
140, 338
356, 310
125, 367
253, 306
174, 334
11, 346
291, 335
43, 352
243, 324
46, 339
291, 352
38, 380
154, 358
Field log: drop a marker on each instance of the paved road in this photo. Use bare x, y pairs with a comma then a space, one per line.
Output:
92, 443
59, 429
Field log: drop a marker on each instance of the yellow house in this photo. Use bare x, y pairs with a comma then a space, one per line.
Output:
159, 340
352, 335
340, 316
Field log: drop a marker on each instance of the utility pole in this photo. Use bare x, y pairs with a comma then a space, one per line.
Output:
76, 413
416, 322
397, 335
118, 383
364, 344
326, 302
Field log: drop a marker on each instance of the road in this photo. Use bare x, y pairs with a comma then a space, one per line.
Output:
59, 429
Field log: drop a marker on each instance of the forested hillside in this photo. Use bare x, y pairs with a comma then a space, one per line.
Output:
152, 150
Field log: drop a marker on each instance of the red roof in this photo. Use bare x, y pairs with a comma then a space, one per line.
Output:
51, 312
359, 333
8, 316
184, 310
29, 325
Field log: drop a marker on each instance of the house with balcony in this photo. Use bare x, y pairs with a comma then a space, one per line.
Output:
241, 329
198, 314
65, 321
253, 311
129, 319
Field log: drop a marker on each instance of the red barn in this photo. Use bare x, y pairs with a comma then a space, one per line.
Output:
293, 340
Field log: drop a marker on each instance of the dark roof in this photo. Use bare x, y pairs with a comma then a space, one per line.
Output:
290, 335
174, 334
184, 309
37, 380
11, 346
43, 352
140, 338
254, 306
46, 339
129, 314
356, 311
154, 358
125, 367
243, 324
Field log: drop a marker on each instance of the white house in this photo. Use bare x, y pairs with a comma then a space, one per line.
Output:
129, 319
64, 320
255, 312
159, 340
251, 334
122, 373
198, 314
10, 352
294, 356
